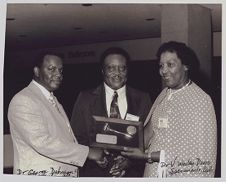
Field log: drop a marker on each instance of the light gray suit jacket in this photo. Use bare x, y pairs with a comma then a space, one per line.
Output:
42, 139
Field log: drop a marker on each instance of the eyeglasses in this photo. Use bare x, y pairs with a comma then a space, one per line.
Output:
114, 68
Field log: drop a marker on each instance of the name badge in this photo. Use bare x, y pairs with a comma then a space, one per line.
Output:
163, 123
132, 117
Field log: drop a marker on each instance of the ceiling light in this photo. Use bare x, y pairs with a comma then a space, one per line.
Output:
77, 28
10, 19
23, 35
103, 32
150, 19
87, 5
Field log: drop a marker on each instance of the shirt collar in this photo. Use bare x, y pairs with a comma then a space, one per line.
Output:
110, 91
45, 92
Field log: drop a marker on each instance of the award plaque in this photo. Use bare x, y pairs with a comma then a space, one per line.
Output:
113, 133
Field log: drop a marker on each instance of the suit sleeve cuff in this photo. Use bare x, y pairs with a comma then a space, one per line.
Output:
82, 156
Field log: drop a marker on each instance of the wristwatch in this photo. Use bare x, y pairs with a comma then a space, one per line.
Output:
149, 160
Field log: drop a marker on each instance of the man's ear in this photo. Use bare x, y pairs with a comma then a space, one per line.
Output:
36, 71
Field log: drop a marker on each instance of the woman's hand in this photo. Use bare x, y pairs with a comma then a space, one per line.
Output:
134, 153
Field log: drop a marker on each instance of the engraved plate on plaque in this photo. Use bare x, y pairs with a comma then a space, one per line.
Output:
109, 139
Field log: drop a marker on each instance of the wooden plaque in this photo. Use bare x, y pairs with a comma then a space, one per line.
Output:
112, 133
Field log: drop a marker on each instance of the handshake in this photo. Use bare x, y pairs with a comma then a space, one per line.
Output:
117, 166
98, 156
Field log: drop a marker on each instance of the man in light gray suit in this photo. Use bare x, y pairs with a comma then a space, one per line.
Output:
43, 141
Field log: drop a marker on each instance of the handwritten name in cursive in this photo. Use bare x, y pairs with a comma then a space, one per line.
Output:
32, 172
195, 165
51, 172
196, 169
60, 172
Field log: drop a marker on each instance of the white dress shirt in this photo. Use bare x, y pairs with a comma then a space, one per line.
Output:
45, 92
122, 100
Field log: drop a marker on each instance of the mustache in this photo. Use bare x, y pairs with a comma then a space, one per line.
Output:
57, 79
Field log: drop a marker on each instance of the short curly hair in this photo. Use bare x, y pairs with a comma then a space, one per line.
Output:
184, 53
39, 59
114, 50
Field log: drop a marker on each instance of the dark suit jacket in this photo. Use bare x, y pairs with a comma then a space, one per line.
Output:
92, 102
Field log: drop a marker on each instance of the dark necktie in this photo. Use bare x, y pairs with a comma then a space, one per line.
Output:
114, 109
114, 113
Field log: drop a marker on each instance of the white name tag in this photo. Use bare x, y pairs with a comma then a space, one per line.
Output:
132, 117
163, 123
109, 139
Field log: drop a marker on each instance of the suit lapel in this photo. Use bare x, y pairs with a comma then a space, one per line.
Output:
39, 94
131, 102
98, 106
43, 99
59, 116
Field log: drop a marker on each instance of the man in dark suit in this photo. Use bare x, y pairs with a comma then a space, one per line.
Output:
131, 104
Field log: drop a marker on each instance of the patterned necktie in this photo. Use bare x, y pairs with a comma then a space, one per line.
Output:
114, 109
52, 100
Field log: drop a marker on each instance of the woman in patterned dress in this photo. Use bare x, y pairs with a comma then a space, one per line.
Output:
181, 126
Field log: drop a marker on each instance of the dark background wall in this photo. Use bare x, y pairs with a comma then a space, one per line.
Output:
143, 75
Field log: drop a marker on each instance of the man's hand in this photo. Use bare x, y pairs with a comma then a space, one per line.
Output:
95, 154
134, 153
102, 163
120, 164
